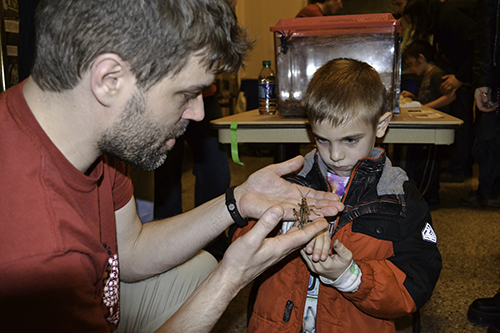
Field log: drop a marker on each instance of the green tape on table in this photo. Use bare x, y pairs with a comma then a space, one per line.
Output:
234, 143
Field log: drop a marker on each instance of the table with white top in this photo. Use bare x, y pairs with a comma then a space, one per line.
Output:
419, 125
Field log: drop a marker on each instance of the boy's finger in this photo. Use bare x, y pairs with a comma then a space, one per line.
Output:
321, 248
343, 252
326, 245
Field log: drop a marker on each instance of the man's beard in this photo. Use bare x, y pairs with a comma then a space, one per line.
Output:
138, 141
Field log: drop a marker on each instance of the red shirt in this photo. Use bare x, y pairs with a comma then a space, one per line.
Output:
311, 10
58, 253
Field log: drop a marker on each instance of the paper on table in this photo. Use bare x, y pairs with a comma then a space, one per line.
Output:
421, 114
414, 104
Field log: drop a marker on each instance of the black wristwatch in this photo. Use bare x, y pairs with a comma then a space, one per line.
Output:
233, 210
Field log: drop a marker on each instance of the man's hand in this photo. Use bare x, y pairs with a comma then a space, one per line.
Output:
334, 265
244, 260
449, 84
483, 100
253, 253
266, 187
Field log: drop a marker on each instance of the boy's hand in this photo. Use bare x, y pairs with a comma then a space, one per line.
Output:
319, 247
406, 93
254, 252
334, 265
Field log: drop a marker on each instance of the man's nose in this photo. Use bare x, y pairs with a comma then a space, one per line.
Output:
195, 110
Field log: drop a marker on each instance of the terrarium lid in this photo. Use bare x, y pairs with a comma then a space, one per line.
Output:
372, 23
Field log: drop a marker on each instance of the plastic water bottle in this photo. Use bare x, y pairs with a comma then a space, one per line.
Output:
267, 89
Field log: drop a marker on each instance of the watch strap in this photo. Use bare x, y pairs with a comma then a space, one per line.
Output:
233, 209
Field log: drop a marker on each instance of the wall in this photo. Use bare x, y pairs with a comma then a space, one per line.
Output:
259, 15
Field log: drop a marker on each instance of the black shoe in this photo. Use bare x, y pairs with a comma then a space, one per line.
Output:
495, 203
484, 311
494, 327
473, 199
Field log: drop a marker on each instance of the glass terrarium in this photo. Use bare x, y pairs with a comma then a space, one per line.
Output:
302, 45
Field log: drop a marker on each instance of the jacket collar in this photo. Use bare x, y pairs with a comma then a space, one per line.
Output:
376, 166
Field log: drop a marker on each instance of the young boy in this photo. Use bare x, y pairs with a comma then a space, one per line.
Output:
379, 259
419, 57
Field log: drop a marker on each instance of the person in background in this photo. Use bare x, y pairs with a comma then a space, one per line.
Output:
486, 72
398, 11
379, 259
320, 8
451, 24
419, 56
115, 83
486, 151
409, 81
399, 7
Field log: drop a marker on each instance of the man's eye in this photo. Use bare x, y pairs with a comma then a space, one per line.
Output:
188, 97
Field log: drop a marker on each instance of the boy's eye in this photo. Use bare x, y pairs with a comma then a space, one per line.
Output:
351, 140
321, 140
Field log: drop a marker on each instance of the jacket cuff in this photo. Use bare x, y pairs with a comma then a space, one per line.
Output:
348, 281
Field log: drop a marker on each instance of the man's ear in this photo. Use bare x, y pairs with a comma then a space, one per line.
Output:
383, 123
109, 77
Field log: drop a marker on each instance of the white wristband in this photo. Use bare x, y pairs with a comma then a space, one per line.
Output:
348, 281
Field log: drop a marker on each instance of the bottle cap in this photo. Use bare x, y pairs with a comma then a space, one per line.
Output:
266, 63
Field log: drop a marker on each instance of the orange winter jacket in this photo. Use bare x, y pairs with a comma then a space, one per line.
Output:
387, 226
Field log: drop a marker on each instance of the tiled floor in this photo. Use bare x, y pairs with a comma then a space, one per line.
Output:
469, 243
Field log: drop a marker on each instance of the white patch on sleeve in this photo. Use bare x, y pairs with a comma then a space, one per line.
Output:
428, 234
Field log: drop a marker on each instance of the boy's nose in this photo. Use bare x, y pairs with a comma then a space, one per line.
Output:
336, 155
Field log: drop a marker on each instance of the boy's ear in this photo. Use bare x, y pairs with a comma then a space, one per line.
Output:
109, 77
383, 123
421, 58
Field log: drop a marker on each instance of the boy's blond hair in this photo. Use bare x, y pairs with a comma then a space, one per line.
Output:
345, 89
